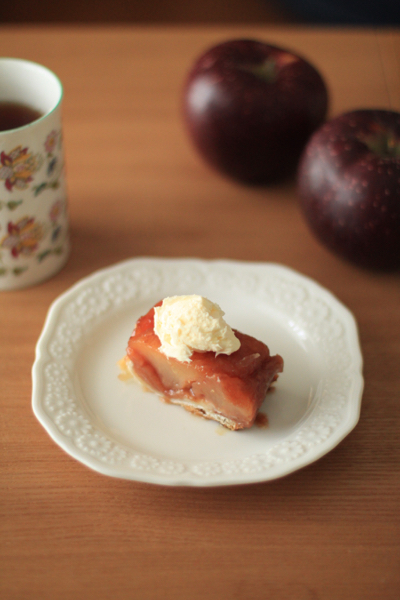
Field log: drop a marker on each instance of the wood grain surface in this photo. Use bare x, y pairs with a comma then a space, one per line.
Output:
137, 188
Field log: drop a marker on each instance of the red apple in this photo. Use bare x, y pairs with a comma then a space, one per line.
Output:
250, 108
349, 187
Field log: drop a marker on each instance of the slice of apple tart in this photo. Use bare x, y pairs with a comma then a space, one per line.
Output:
183, 350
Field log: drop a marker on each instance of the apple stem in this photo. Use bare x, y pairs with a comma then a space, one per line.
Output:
265, 70
383, 145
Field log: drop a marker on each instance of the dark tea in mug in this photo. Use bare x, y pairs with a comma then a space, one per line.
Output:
14, 114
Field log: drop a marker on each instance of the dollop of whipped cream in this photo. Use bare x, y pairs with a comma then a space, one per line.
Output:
185, 324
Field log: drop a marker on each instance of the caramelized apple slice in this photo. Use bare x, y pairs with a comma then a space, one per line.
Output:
226, 388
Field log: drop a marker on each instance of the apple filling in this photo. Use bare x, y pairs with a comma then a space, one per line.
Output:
226, 388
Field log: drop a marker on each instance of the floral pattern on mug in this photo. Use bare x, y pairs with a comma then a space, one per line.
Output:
18, 167
23, 237
10, 204
15, 271
51, 141
54, 165
56, 211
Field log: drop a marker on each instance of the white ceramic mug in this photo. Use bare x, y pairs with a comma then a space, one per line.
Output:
34, 242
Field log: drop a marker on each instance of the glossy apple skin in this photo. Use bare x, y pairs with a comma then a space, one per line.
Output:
247, 127
350, 195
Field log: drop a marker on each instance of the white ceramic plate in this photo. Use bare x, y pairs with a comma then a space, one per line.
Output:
115, 428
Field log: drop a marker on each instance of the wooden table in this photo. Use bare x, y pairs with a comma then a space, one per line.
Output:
136, 188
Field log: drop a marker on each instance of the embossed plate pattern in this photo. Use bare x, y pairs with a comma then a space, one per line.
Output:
113, 427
